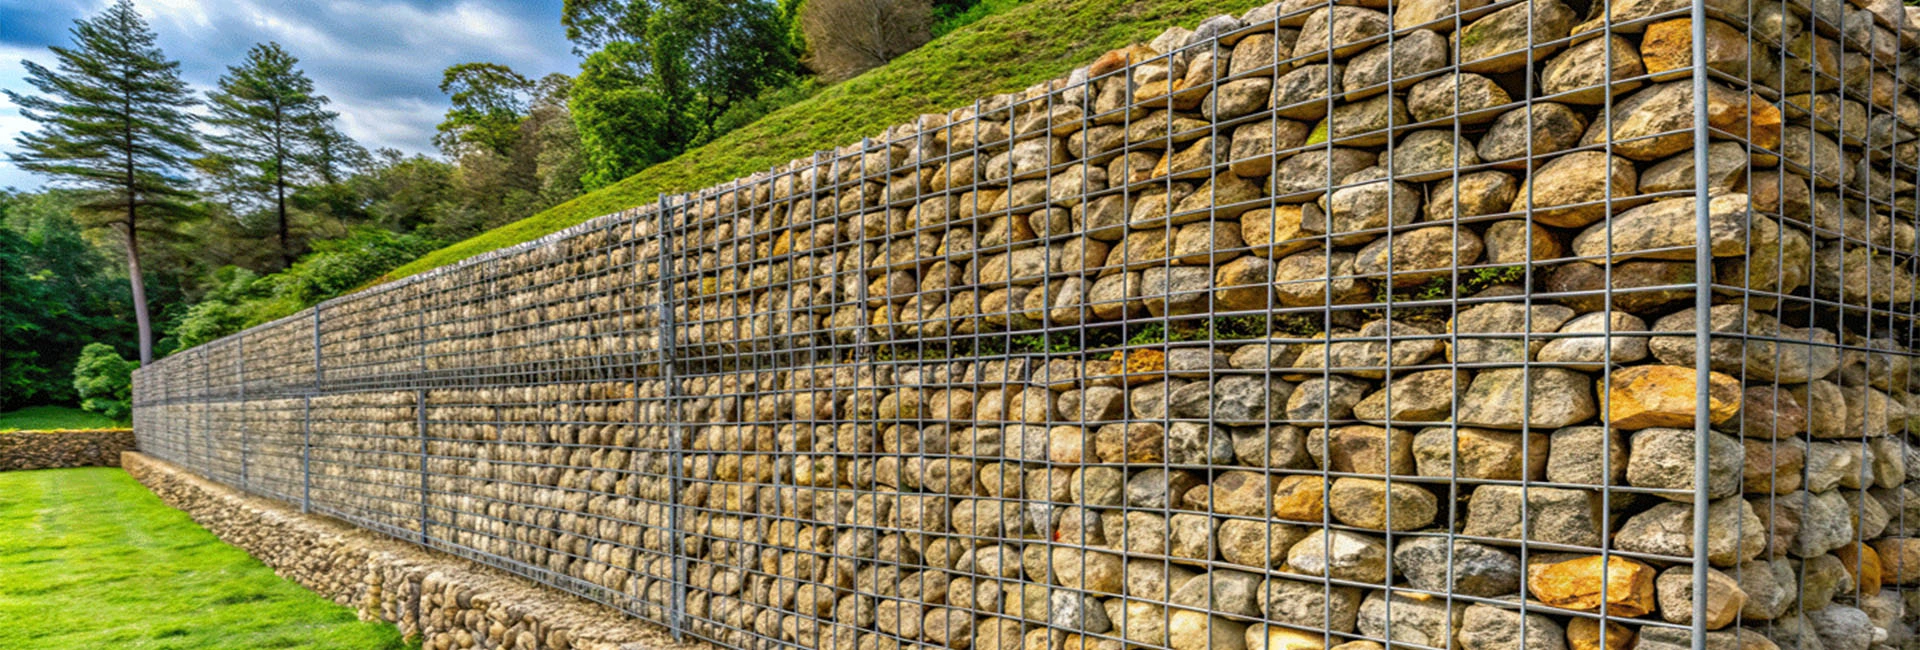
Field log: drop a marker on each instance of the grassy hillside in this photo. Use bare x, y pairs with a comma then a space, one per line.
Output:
1005, 52
47, 418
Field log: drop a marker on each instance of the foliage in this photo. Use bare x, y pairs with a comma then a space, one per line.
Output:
94, 560
949, 15
660, 74
1038, 40
242, 299
847, 37
489, 101
274, 132
55, 418
56, 295
104, 381
113, 119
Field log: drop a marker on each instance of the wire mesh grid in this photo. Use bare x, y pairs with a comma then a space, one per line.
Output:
1480, 325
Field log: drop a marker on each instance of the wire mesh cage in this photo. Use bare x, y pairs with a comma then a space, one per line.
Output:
1477, 325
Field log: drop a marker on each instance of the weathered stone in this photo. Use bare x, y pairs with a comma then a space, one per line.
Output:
1585, 634
1385, 343
1275, 446
1415, 257
1240, 493
1190, 630
1773, 466
1302, 93
1254, 145
1657, 121
1667, 396
1611, 340
1471, 97
1577, 189
1499, 41
1579, 583
1423, 396
1362, 123
1224, 590
1356, 213
1764, 354
1341, 555
1430, 155
1410, 619
1304, 176
1362, 449
1724, 597
1483, 454
1175, 291
1475, 569
1503, 398
1726, 171
1534, 130
1300, 497
1260, 544
1803, 524
1347, 28
1480, 193
1324, 399
1580, 74
1410, 54
1842, 627
1668, 47
1489, 627
1377, 505
1666, 230
1308, 604
1587, 455
1302, 280
1734, 533
1553, 515
1503, 318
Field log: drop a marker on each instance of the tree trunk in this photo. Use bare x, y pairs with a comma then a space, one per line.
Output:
139, 289
286, 241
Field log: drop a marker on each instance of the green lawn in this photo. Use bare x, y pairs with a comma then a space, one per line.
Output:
90, 559
34, 418
1007, 51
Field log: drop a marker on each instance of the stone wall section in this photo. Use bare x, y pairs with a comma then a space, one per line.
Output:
446, 602
53, 449
1321, 326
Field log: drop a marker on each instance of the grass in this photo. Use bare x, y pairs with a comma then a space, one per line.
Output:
1008, 51
93, 560
41, 418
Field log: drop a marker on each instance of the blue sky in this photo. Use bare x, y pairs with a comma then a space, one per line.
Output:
379, 61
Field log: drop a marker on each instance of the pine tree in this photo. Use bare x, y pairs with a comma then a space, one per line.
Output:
113, 120
271, 123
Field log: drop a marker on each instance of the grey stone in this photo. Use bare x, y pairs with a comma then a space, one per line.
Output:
1498, 42
1342, 555
1476, 569
1475, 99
1664, 459
1409, 619
1312, 605
1538, 129
1553, 515
1613, 338
1504, 398
1734, 532
1580, 74
1490, 627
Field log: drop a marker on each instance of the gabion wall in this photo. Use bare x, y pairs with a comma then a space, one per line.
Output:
1476, 325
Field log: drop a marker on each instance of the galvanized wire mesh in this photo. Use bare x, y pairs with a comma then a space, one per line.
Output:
1503, 326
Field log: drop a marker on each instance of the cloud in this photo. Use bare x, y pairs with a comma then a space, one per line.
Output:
380, 62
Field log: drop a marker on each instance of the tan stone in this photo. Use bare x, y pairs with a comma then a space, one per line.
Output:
1864, 564
1668, 46
1584, 634
1299, 497
1576, 584
1664, 396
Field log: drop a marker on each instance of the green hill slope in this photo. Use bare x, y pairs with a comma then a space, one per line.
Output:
1005, 52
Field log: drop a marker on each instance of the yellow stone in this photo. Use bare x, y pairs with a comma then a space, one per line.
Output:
1664, 396
1577, 584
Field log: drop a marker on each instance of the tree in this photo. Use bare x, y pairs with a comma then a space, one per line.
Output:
104, 381
847, 37
666, 71
489, 101
624, 120
113, 119
269, 118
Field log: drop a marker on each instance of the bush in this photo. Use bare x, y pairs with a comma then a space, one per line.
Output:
241, 299
104, 381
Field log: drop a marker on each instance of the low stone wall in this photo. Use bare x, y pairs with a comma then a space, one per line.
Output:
64, 448
448, 602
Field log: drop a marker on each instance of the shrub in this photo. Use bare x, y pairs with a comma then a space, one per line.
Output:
104, 381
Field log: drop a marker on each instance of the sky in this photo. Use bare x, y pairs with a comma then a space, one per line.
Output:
379, 60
